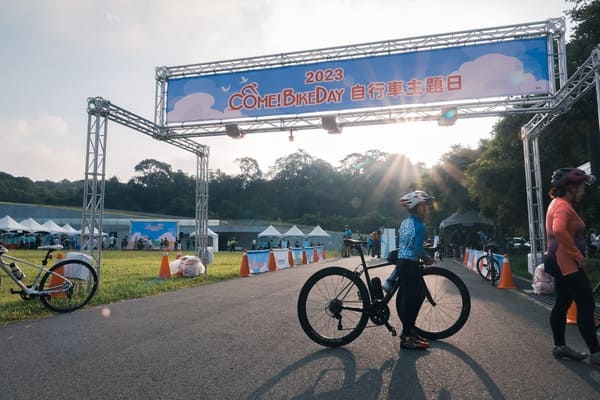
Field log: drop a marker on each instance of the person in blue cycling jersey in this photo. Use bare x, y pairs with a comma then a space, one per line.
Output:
346, 250
408, 270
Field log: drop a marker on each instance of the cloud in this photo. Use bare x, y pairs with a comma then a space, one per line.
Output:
41, 144
496, 75
198, 106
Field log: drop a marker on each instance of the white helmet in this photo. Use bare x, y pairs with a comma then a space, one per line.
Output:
412, 199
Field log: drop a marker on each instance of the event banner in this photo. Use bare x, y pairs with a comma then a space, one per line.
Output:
150, 234
258, 261
282, 258
511, 68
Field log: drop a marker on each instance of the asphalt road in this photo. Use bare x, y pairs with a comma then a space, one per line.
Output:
241, 339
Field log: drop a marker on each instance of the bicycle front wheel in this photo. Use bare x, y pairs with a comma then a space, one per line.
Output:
72, 283
450, 308
332, 306
488, 268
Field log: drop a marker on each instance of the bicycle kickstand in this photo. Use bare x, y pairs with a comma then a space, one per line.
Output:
391, 329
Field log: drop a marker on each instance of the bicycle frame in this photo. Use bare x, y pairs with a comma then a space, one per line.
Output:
31, 290
364, 268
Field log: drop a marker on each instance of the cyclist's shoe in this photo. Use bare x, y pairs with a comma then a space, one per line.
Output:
419, 337
413, 343
595, 359
568, 353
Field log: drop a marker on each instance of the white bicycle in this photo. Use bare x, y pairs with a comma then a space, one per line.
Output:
64, 287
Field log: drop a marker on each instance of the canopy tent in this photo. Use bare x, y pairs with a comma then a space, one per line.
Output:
293, 232
270, 232
86, 231
70, 231
214, 236
33, 226
318, 232
7, 224
53, 228
465, 218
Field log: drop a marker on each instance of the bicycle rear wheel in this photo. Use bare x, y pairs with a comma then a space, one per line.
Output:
332, 306
450, 308
488, 268
79, 280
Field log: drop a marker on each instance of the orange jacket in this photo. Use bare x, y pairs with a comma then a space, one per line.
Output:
564, 231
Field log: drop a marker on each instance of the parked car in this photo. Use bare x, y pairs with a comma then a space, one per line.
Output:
518, 243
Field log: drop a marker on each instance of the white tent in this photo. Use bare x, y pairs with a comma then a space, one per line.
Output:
7, 224
294, 232
318, 232
214, 236
270, 231
33, 226
87, 232
52, 227
69, 230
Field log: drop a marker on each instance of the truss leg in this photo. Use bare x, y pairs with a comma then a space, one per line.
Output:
94, 183
535, 207
202, 206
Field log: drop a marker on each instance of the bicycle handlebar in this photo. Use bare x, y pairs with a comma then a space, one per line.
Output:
357, 244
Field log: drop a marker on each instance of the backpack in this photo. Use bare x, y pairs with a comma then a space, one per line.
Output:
551, 265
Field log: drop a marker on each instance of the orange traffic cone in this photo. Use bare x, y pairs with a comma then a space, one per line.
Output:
272, 264
466, 258
245, 267
572, 314
57, 280
324, 254
506, 277
304, 261
178, 251
165, 269
315, 255
290, 258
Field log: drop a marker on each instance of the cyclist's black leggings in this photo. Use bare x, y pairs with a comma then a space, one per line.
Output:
574, 287
410, 274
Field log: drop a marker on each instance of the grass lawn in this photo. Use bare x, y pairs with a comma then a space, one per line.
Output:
123, 275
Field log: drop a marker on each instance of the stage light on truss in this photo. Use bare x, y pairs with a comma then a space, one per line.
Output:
329, 123
448, 116
291, 137
233, 131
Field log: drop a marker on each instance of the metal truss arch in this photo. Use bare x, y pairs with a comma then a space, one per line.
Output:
100, 111
584, 79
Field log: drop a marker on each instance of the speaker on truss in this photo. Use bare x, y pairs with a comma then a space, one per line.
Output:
329, 123
233, 131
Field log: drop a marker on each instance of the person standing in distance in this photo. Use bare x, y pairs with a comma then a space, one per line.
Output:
346, 235
408, 270
565, 237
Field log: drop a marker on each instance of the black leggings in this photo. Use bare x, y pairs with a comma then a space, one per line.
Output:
410, 274
574, 287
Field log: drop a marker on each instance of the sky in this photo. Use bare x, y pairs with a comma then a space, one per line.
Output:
57, 53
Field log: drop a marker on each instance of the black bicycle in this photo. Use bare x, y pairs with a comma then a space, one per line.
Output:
335, 303
487, 266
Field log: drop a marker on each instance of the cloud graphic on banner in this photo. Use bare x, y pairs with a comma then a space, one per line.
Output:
496, 75
197, 107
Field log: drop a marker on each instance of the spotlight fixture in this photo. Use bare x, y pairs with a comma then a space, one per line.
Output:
448, 116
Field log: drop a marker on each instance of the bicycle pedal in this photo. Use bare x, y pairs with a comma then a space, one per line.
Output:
13, 291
